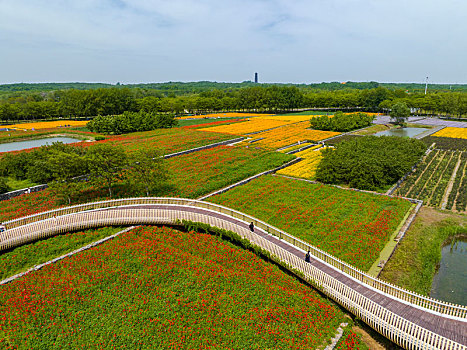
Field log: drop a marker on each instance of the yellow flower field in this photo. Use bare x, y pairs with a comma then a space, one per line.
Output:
291, 134
46, 125
305, 169
457, 133
246, 127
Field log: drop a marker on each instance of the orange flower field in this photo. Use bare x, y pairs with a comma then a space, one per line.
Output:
291, 134
46, 125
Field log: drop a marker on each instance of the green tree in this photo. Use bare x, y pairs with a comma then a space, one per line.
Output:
4, 188
106, 165
64, 167
147, 170
399, 113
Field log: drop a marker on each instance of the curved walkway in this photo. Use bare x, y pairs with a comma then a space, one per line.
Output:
408, 319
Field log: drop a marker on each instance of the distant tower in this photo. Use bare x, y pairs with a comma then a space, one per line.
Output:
426, 85
256, 78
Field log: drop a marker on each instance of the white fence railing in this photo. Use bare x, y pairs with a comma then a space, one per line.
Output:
400, 330
19, 232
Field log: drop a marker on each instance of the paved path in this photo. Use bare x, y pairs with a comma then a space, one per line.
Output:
390, 315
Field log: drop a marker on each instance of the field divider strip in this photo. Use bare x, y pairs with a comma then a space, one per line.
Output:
444, 201
61, 257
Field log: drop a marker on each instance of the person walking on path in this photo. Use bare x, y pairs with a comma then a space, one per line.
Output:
252, 227
308, 257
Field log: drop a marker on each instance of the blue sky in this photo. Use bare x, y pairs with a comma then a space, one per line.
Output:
133, 41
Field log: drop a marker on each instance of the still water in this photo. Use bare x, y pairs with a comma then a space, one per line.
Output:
402, 132
19, 145
450, 283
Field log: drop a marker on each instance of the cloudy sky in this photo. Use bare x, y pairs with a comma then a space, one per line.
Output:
132, 41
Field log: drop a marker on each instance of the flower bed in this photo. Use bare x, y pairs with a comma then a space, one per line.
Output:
166, 140
26, 256
350, 225
249, 126
200, 173
46, 125
458, 133
291, 134
163, 289
305, 169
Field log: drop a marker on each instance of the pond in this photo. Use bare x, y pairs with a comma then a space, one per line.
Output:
19, 145
402, 132
450, 282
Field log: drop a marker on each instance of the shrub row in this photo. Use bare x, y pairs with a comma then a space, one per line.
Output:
342, 122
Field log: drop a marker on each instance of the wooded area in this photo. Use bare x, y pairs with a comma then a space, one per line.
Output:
204, 97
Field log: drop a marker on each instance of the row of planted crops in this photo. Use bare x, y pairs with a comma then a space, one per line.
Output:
440, 178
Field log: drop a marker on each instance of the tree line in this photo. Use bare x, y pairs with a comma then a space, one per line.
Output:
69, 169
73, 103
131, 122
342, 122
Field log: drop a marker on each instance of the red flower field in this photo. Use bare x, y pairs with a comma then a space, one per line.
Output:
161, 288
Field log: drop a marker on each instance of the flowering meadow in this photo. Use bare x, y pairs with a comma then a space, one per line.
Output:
158, 288
199, 173
350, 225
26, 256
350, 341
46, 125
290, 134
457, 133
249, 126
306, 168
166, 140
26, 204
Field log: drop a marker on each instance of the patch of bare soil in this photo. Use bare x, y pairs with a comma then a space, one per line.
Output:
430, 216
369, 341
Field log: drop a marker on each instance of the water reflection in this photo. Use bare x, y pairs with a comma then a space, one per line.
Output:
402, 132
19, 145
450, 282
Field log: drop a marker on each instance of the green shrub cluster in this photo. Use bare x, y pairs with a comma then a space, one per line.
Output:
3, 186
42, 164
63, 166
369, 163
131, 122
342, 122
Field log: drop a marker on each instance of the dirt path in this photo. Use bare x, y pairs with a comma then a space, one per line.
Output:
444, 202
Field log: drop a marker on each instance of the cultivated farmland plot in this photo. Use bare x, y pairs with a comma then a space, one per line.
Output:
439, 180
